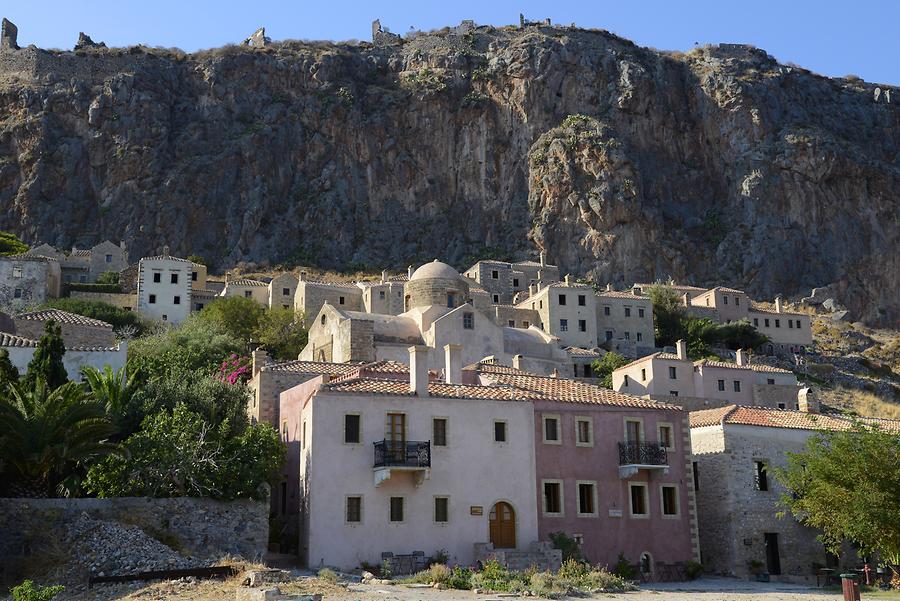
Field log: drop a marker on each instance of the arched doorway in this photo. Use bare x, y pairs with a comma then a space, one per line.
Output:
502, 520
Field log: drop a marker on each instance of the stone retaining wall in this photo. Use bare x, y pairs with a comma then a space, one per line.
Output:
200, 527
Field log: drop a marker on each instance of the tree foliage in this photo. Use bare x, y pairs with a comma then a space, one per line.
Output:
182, 454
47, 362
283, 332
8, 372
606, 365
195, 345
114, 390
108, 278
10, 244
237, 316
48, 436
120, 319
846, 485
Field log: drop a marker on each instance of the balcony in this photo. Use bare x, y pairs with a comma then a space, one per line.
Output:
634, 456
408, 456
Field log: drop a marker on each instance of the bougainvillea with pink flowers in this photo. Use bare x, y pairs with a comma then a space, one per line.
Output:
235, 370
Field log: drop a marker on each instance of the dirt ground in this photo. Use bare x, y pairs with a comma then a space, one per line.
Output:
706, 589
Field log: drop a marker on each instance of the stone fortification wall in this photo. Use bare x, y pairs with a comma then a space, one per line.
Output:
90, 68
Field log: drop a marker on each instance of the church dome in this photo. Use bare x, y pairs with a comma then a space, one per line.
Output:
435, 270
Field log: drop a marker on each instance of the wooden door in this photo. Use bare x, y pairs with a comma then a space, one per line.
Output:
502, 520
396, 435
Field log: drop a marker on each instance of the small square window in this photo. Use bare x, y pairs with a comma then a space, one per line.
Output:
722, 385
248, 294
496, 298
563, 325
553, 502
17, 293
354, 510
157, 278
609, 334
777, 323
441, 510
526, 324
511, 323
495, 274
582, 300
551, 429
673, 393
381, 294
152, 299
199, 306
108, 258
17, 272
193, 276
766, 322
340, 300
582, 325
606, 310
499, 431
770, 381
469, 321
176, 300
562, 299
396, 509
627, 311
782, 406
673, 373
439, 431
755, 322
173, 278
351, 428
640, 312
285, 292
737, 385
165, 317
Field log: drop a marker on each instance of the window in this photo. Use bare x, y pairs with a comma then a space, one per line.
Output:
176, 300
626, 381
606, 310
451, 300
351, 428
496, 298
563, 325
724, 300
767, 323
770, 381
609, 334
285, 306
582, 300
638, 500
396, 509
790, 323
553, 497
193, 276
640, 312
157, 277
639, 336
511, 323
627, 311
285, 292
627, 335
777, 323
737, 385
633, 430
551, 429
381, 294
173, 278
165, 317
515, 282
17, 272
673, 393
760, 477
17, 293
669, 501
441, 510
340, 300
199, 306
469, 321
499, 431
737, 301
587, 499
584, 432
588, 371
673, 374
696, 470
755, 322
722, 385
248, 294
582, 325
495, 274
152, 299
782, 406
540, 304
666, 437
439, 431
526, 325
562, 299
322, 320
303, 435
643, 375
354, 510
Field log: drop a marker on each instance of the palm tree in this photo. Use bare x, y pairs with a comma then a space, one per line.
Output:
113, 390
48, 436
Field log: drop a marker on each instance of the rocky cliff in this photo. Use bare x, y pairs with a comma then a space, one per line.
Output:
625, 164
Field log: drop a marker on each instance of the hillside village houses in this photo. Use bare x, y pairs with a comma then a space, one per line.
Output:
735, 448
609, 469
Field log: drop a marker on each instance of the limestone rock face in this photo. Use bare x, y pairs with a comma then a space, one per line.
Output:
716, 166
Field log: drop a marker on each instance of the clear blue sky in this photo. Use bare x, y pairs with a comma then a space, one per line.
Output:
830, 37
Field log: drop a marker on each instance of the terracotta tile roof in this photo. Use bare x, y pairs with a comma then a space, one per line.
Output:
61, 316
780, 418
312, 367
35, 258
93, 349
659, 355
81, 253
165, 258
756, 309
570, 285
531, 263
13, 340
754, 366
494, 368
245, 282
435, 389
618, 294
583, 352
726, 289
344, 285
672, 286
385, 366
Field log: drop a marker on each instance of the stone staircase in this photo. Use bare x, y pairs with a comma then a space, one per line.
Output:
541, 555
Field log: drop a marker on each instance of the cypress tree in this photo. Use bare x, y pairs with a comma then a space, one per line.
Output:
47, 362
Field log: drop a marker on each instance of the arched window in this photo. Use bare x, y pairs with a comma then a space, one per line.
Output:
646, 563
323, 320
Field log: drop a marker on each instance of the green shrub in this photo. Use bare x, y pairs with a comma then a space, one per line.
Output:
86, 287
572, 570
693, 569
460, 579
328, 575
109, 278
10, 244
624, 569
439, 573
386, 571
440, 556
118, 318
27, 591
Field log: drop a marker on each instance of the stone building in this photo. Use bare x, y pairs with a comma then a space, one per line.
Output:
28, 281
504, 281
311, 295
702, 384
735, 448
281, 291
247, 288
439, 311
85, 265
164, 287
77, 330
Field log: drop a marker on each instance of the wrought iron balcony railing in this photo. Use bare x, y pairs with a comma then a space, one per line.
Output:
642, 453
411, 453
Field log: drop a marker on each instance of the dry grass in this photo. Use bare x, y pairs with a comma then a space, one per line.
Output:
865, 403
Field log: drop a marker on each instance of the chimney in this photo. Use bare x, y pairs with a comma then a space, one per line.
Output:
409, 271
302, 276
517, 362
418, 370
609, 287
555, 373
384, 276
636, 290
568, 279
807, 401
453, 363
227, 277
260, 358
122, 244
543, 256
741, 357
686, 299
778, 306
166, 250
681, 350
540, 277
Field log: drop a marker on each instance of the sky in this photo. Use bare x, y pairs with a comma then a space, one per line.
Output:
830, 37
